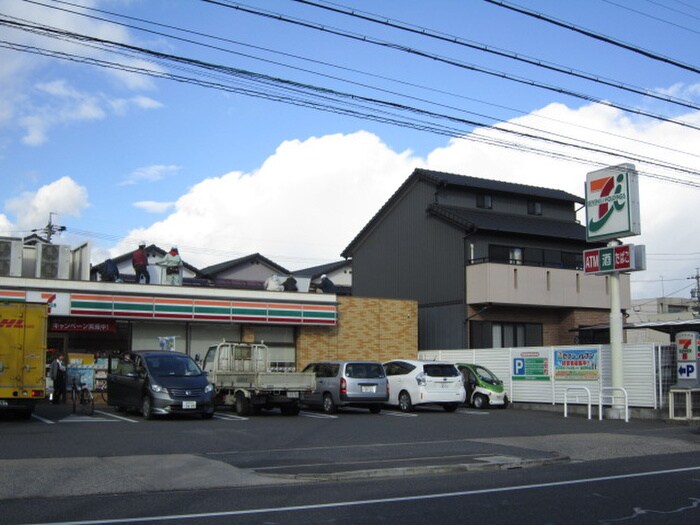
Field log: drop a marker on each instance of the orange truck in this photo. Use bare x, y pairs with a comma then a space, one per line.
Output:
23, 329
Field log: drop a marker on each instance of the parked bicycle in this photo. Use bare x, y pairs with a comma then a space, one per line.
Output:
82, 397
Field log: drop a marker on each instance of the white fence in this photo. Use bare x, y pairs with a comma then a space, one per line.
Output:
648, 371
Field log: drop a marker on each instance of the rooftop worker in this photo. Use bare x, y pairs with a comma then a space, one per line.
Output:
172, 263
326, 285
139, 260
290, 284
110, 272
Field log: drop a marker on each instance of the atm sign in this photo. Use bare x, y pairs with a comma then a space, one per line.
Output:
612, 259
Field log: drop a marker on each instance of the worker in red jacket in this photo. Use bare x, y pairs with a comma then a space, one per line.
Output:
139, 260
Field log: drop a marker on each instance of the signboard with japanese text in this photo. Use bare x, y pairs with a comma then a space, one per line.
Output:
64, 324
612, 203
576, 364
531, 366
622, 258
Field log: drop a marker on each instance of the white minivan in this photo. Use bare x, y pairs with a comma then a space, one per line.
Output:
424, 382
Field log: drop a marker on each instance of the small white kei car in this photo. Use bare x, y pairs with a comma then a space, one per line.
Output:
424, 382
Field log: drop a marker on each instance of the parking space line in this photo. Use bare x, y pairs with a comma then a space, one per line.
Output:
73, 418
230, 417
115, 416
398, 414
43, 419
472, 412
317, 415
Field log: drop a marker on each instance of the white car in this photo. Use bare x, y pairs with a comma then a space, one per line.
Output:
424, 382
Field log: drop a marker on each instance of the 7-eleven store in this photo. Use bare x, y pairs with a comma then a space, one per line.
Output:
102, 319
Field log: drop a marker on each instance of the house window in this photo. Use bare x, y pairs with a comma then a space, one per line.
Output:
516, 255
505, 254
484, 201
534, 208
487, 334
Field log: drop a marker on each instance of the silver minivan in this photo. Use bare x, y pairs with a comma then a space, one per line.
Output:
348, 383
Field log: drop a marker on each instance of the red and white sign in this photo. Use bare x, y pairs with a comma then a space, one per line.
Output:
623, 258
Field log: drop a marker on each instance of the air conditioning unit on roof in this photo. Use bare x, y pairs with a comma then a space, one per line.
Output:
52, 261
10, 257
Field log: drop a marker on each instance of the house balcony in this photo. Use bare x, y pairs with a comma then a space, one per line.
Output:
518, 284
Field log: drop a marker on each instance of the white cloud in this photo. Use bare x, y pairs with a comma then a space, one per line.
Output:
35, 130
63, 197
310, 198
153, 206
61, 104
14, 66
121, 106
35, 110
145, 102
152, 173
6, 227
681, 90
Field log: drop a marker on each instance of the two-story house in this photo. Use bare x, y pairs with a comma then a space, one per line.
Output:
491, 264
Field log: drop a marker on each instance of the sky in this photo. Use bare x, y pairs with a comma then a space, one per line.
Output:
280, 127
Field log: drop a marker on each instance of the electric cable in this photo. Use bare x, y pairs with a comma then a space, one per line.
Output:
596, 36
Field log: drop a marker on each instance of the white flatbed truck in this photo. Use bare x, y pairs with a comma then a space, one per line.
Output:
241, 375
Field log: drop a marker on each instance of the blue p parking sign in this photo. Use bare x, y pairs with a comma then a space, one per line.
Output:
518, 366
687, 371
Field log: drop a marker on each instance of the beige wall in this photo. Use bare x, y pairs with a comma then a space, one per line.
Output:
530, 285
367, 329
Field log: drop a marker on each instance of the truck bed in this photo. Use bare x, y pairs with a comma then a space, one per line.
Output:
288, 381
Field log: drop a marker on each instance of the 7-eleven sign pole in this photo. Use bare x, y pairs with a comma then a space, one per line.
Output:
617, 363
612, 212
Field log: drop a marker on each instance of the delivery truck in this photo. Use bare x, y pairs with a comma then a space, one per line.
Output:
23, 329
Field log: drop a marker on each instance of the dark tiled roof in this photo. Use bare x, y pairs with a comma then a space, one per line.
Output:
317, 271
474, 220
451, 179
212, 271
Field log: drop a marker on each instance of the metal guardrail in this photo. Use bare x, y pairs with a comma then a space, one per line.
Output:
611, 396
566, 399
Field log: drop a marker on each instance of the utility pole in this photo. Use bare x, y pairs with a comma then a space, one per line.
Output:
695, 292
50, 229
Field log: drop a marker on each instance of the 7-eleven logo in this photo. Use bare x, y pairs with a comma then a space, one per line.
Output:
685, 348
50, 299
606, 196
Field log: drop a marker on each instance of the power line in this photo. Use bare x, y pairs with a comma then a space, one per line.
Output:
597, 36
386, 118
423, 31
227, 40
449, 61
656, 18
322, 63
325, 95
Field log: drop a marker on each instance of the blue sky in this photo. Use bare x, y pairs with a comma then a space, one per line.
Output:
120, 157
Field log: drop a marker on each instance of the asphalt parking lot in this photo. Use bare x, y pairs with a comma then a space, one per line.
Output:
57, 452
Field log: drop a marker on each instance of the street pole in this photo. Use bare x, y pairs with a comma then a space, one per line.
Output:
616, 348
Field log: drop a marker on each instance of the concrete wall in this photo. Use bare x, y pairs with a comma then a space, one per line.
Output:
547, 287
368, 329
